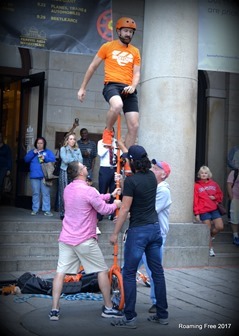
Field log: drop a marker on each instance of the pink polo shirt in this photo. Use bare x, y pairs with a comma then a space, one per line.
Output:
82, 203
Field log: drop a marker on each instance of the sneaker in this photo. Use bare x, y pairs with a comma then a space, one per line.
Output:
211, 252
107, 137
33, 213
156, 319
54, 314
153, 309
111, 312
98, 230
123, 323
236, 241
48, 213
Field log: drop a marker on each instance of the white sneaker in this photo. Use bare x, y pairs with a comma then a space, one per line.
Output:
211, 252
98, 230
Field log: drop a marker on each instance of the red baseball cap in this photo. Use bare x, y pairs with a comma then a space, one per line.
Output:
163, 165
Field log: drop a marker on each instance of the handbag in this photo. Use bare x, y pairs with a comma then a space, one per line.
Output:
57, 167
7, 184
221, 209
48, 169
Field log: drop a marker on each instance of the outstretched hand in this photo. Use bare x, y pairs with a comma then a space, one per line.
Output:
81, 94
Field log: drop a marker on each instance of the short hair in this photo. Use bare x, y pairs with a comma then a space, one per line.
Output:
206, 170
83, 129
73, 169
44, 142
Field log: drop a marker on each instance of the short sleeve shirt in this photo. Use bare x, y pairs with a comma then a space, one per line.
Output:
119, 61
142, 187
235, 189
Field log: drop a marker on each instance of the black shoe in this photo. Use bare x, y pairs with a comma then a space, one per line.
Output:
156, 319
153, 309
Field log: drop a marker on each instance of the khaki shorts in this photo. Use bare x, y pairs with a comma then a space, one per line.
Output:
88, 254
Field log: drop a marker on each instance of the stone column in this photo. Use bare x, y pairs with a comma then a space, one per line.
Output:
168, 95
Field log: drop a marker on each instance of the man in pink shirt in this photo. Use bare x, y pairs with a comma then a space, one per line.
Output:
78, 239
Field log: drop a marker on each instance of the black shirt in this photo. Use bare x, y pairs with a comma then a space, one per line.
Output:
142, 187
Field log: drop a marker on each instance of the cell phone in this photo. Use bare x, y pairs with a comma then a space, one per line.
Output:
77, 121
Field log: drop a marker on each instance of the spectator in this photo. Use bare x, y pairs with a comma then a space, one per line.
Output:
108, 162
5, 162
233, 193
58, 158
88, 151
143, 235
233, 158
161, 170
69, 152
207, 194
122, 75
78, 239
35, 157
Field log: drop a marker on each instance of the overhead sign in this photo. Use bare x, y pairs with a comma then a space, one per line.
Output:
72, 26
218, 48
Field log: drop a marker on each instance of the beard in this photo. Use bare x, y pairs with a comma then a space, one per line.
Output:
125, 40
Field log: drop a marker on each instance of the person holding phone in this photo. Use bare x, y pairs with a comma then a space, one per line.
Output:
36, 157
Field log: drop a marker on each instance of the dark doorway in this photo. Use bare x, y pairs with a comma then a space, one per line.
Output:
30, 126
201, 138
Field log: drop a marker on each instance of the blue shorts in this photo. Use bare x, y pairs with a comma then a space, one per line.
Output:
210, 215
130, 101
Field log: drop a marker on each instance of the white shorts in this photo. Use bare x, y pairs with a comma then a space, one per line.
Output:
234, 211
88, 254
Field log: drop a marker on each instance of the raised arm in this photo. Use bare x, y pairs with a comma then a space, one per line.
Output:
89, 73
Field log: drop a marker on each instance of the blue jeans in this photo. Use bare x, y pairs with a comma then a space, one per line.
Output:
142, 239
144, 261
38, 189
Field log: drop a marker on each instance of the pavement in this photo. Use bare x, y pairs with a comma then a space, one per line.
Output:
201, 301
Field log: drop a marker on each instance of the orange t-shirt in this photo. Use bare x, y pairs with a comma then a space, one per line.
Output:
119, 61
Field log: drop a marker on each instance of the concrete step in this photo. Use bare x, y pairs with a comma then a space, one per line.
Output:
224, 259
34, 245
40, 263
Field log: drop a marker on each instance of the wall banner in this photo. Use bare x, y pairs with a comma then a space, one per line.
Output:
70, 26
218, 48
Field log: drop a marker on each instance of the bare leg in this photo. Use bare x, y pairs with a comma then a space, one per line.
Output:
208, 222
104, 285
57, 289
116, 105
132, 120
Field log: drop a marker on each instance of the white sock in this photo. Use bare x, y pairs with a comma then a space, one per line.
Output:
109, 308
235, 235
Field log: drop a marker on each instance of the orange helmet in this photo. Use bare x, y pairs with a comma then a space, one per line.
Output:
125, 22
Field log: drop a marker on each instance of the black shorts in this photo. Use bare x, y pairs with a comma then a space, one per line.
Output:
130, 101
